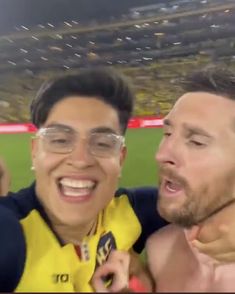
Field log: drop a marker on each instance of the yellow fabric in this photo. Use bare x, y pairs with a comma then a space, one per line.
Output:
50, 267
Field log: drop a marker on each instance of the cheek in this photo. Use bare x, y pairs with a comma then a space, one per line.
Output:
211, 178
45, 163
205, 168
112, 169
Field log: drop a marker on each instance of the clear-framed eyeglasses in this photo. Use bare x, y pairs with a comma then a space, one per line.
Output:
63, 140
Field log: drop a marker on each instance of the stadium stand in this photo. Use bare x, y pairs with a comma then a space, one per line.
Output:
154, 46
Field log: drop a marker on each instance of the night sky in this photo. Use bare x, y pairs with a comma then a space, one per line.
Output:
33, 12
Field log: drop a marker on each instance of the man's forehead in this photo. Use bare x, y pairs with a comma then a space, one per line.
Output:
204, 104
203, 109
84, 114
201, 98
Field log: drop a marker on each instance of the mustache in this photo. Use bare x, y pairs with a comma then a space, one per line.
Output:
172, 175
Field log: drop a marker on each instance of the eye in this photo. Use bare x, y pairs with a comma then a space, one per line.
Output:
59, 139
197, 143
104, 143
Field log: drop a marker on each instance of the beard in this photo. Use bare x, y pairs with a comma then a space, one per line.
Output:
198, 204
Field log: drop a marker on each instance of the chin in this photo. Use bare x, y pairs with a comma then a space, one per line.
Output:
75, 219
68, 219
167, 215
166, 207
180, 217
164, 213
170, 214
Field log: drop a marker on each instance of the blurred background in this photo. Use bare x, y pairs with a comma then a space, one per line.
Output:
153, 42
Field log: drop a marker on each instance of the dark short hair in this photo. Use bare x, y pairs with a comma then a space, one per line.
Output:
211, 79
102, 83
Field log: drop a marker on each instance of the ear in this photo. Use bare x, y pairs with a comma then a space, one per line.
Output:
123, 154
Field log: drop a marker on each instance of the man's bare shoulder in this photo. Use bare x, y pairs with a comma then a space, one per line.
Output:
167, 235
161, 246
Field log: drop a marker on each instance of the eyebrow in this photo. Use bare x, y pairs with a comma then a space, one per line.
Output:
106, 130
58, 125
194, 130
101, 129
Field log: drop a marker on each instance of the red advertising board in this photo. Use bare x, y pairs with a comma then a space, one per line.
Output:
135, 122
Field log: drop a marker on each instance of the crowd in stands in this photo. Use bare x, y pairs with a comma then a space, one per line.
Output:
154, 46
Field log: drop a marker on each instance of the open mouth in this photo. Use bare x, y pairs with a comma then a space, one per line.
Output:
171, 187
76, 188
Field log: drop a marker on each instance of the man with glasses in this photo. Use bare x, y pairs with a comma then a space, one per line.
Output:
63, 139
55, 233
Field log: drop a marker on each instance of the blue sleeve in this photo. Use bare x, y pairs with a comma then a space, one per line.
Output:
12, 250
144, 203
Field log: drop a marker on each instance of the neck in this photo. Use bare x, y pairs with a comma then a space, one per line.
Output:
75, 234
202, 259
68, 233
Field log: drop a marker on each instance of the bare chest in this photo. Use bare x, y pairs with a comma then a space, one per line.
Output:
184, 276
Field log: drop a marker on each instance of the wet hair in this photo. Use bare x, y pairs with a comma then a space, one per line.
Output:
211, 79
100, 83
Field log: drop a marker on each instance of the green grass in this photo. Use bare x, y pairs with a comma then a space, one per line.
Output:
139, 168
15, 149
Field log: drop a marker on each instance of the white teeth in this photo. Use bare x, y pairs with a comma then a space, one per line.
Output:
76, 188
170, 189
72, 183
75, 193
173, 187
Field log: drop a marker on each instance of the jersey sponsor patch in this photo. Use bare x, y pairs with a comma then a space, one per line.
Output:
106, 244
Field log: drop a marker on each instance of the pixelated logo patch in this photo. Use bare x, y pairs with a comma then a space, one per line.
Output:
105, 245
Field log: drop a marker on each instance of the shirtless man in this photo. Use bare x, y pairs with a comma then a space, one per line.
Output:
197, 180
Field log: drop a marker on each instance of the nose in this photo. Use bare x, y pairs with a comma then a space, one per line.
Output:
81, 156
167, 152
